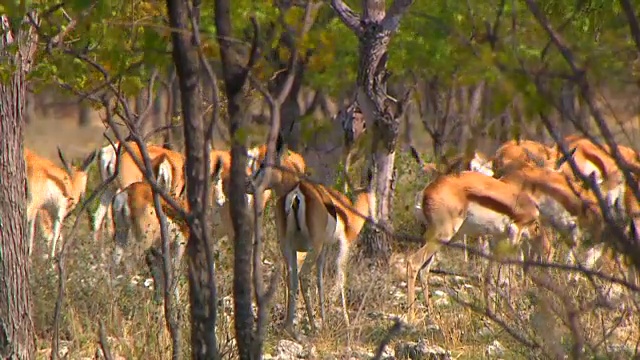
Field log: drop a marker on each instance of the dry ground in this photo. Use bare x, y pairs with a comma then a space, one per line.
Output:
135, 325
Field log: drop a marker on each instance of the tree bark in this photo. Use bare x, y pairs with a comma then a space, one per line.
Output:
374, 29
84, 114
175, 136
201, 286
16, 326
235, 78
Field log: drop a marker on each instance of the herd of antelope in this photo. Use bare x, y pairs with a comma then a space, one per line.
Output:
525, 187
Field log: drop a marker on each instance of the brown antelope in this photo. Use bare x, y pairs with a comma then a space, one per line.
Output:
563, 203
590, 160
133, 209
608, 166
309, 218
521, 152
129, 173
468, 203
478, 163
54, 189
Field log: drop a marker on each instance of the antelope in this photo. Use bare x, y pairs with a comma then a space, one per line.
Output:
563, 203
258, 155
478, 163
309, 218
107, 166
521, 152
461, 162
221, 187
133, 209
468, 203
608, 166
128, 173
591, 161
54, 189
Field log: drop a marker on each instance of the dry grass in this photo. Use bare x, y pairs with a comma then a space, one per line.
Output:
136, 328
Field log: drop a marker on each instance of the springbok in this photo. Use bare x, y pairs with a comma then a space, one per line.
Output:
602, 159
478, 163
468, 203
133, 209
309, 218
54, 189
520, 152
564, 204
129, 173
107, 165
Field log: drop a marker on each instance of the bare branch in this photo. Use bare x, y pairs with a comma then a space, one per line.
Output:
307, 22
391, 21
349, 17
104, 343
634, 27
142, 116
254, 53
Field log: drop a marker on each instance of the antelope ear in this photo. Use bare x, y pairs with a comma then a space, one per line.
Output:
563, 159
280, 147
64, 161
88, 160
217, 169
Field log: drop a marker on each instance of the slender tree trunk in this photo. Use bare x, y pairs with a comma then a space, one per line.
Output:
235, 77
30, 108
16, 326
201, 286
157, 113
84, 114
176, 116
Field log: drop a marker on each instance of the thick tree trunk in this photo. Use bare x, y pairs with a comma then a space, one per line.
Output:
201, 286
16, 326
372, 99
374, 29
235, 77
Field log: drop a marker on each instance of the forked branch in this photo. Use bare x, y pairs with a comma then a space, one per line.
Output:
349, 17
392, 19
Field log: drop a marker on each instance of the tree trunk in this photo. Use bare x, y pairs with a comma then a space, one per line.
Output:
156, 112
17, 339
84, 114
201, 284
235, 77
374, 29
30, 108
176, 117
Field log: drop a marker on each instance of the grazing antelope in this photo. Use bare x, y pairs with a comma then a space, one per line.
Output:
54, 189
133, 209
468, 203
309, 218
128, 173
590, 160
522, 152
607, 165
564, 204
479, 162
